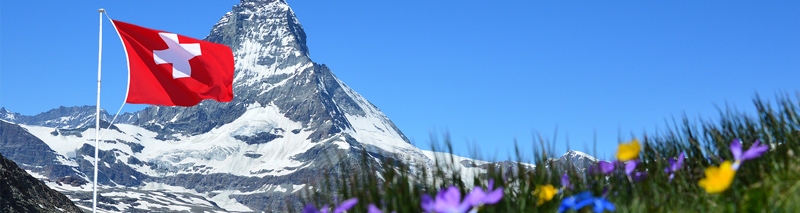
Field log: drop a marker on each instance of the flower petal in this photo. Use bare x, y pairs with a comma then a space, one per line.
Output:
582, 203
447, 200
755, 151
427, 203
736, 149
567, 203
718, 179
672, 166
346, 205
639, 176
598, 206
494, 196
475, 197
630, 166
565, 181
373, 209
606, 167
310, 209
628, 151
607, 204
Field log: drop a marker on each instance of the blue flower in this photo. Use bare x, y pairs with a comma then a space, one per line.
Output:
570, 202
584, 199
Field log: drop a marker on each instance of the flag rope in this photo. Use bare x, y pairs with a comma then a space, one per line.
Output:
127, 87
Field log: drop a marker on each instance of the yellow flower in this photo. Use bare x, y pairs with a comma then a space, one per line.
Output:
545, 193
718, 179
628, 151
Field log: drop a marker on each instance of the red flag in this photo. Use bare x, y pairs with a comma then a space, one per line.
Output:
174, 70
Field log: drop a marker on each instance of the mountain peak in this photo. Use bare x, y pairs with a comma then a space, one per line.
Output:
262, 1
573, 154
265, 36
273, 69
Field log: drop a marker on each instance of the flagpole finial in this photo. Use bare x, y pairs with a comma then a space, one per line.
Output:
101, 10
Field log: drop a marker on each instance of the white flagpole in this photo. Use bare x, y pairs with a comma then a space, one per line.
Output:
97, 115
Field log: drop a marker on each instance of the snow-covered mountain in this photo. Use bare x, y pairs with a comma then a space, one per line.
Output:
575, 159
290, 121
62, 117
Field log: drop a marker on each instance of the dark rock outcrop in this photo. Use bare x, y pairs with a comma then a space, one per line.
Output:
21, 192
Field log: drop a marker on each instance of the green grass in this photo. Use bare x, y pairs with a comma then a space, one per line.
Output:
770, 183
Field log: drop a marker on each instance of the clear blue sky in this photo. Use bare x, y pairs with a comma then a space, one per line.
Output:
487, 72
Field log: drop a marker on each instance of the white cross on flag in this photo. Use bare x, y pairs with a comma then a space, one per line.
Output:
174, 70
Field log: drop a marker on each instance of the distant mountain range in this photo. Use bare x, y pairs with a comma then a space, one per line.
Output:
290, 121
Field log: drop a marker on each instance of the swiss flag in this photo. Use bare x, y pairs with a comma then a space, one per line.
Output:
173, 70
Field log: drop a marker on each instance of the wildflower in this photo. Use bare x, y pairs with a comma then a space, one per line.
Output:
576, 202
478, 197
674, 166
604, 167
374, 209
344, 206
427, 203
718, 179
599, 204
570, 202
753, 152
449, 201
630, 167
628, 151
565, 182
545, 193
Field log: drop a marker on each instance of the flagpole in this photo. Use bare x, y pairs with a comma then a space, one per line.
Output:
97, 114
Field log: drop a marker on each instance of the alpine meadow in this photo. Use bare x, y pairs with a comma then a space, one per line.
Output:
495, 107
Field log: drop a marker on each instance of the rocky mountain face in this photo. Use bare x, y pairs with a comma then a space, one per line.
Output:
575, 159
291, 124
62, 117
291, 120
20, 192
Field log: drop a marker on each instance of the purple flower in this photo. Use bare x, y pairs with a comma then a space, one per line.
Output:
373, 209
756, 150
674, 166
576, 202
565, 182
427, 203
344, 206
478, 197
604, 167
630, 167
449, 201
